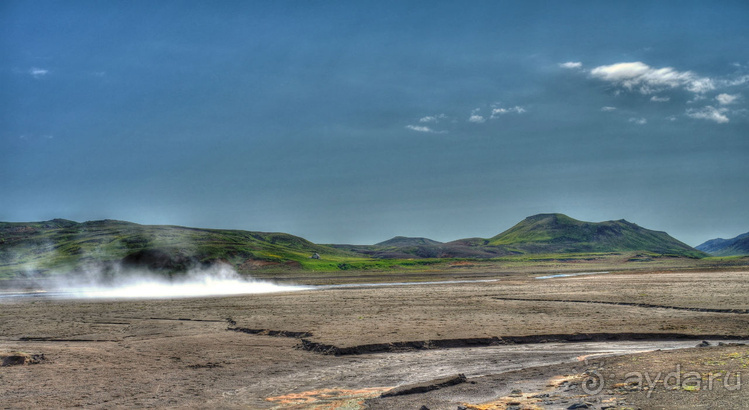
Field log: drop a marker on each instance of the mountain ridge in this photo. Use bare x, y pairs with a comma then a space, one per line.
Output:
736, 246
60, 244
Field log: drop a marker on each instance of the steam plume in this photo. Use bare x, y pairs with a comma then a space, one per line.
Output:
214, 280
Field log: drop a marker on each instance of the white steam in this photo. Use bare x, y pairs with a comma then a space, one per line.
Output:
216, 280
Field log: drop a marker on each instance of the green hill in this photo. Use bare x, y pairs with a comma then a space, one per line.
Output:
63, 246
557, 233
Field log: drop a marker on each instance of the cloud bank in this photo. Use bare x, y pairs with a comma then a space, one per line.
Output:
638, 77
648, 80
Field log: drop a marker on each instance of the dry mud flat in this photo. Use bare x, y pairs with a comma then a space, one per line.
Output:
264, 351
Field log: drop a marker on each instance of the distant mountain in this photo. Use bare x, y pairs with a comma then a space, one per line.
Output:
400, 241
558, 233
409, 248
727, 247
543, 233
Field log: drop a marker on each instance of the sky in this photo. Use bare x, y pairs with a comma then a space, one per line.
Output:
353, 122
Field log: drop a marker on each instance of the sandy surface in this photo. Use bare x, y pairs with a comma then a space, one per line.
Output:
179, 352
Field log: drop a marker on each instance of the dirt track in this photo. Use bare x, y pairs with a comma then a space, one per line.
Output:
180, 353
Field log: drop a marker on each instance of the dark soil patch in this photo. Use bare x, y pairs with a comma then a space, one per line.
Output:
21, 359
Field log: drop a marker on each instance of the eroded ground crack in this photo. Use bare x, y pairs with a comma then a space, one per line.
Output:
265, 332
425, 386
53, 339
642, 305
407, 346
269, 332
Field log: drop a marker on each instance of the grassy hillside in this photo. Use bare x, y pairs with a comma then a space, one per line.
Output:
62, 246
555, 233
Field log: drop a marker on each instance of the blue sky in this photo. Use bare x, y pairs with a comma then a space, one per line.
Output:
352, 122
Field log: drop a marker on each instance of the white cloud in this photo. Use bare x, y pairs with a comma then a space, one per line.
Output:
571, 65
433, 118
638, 121
725, 99
709, 113
737, 81
512, 110
422, 128
38, 72
476, 118
419, 128
620, 72
655, 98
648, 80
608, 108
700, 85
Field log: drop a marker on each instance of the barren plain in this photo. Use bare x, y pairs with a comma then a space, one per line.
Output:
520, 342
